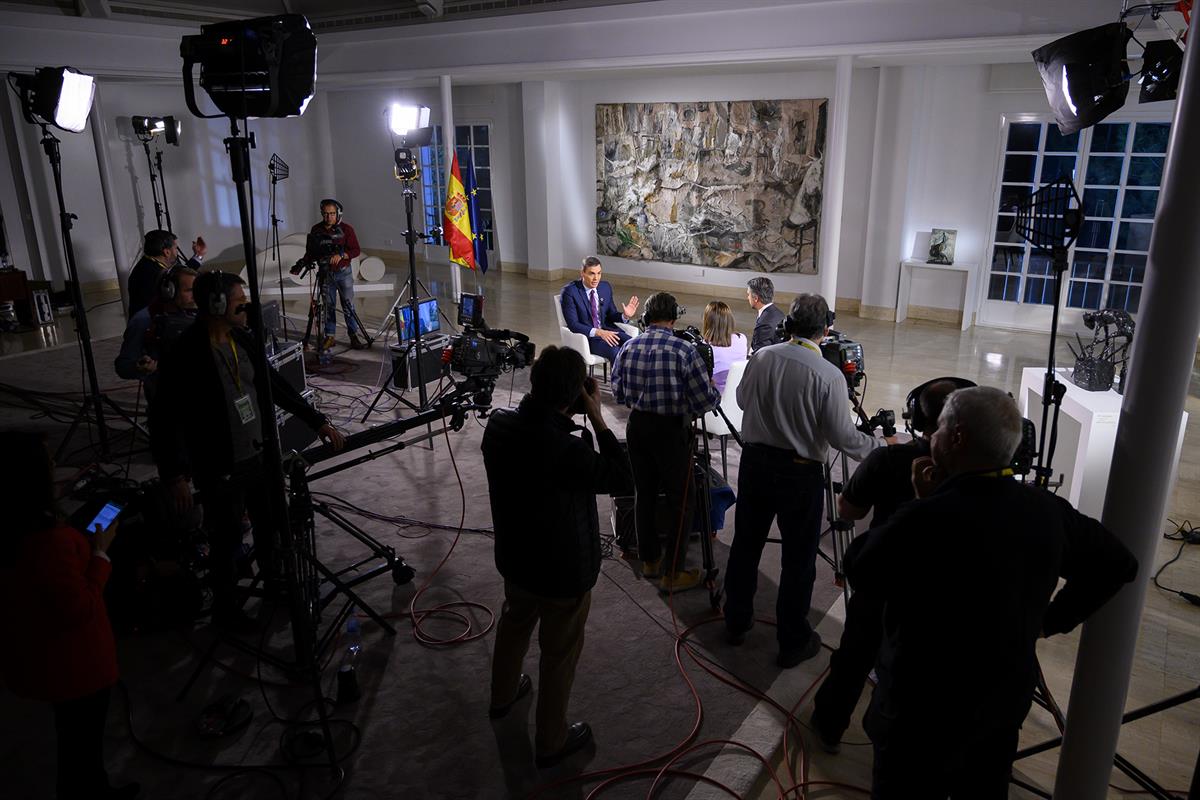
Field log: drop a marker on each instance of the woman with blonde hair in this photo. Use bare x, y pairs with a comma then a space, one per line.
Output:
728, 345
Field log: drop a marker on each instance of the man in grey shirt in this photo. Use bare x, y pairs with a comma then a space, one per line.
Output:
796, 407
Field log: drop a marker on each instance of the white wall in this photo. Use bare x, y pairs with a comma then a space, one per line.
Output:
362, 160
576, 163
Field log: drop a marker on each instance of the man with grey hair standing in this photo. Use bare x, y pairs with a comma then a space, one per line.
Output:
796, 406
967, 574
760, 293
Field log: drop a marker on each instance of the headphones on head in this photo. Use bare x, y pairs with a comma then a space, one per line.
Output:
212, 289
329, 201
791, 324
915, 416
168, 285
661, 306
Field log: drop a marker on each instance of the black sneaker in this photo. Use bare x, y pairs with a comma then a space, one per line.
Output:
829, 743
798, 655
737, 637
578, 736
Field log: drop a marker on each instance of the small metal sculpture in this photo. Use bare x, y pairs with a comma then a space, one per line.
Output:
1096, 362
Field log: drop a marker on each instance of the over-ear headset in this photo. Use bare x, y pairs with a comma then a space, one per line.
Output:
915, 416
212, 290
168, 285
329, 201
792, 326
660, 307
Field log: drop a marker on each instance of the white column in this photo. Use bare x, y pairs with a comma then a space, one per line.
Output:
100, 136
1139, 484
448, 145
835, 179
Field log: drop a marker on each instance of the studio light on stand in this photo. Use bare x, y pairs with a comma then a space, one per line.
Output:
62, 97
409, 126
147, 129
266, 67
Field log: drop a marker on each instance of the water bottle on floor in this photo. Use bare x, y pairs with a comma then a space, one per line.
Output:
347, 680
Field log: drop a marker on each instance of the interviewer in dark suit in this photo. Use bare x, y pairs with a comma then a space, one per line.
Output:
760, 292
588, 308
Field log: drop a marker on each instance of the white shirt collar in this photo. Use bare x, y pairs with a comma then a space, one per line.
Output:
764, 308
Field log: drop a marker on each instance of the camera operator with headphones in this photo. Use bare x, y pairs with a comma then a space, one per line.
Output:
153, 330
796, 406
664, 379
217, 444
883, 482
336, 240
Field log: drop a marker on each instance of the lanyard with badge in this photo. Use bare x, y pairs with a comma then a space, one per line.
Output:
243, 403
808, 344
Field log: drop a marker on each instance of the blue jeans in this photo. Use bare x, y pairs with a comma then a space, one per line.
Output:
340, 282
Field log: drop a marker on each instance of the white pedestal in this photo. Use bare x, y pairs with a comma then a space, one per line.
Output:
1087, 432
969, 294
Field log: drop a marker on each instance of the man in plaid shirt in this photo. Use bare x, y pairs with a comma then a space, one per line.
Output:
666, 383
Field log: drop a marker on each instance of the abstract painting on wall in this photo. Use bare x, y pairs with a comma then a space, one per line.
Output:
733, 184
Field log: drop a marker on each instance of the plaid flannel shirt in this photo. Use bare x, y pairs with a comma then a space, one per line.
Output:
659, 373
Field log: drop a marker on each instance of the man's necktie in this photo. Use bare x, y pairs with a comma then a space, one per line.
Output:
595, 311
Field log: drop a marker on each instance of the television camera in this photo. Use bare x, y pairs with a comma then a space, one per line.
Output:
481, 354
325, 246
692, 335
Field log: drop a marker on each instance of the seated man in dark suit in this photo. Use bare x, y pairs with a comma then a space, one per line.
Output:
761, 294
588, 308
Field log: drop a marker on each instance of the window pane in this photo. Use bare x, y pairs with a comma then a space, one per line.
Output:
480, 132
1008, 259
1134, 236
1126, 297
1145, 171
463, 154
1095, 233
1104, 171
1130, 267
1006, 230
1024, 136
1057, 143
482, 157
1039, 291
1055, 167
1040, 264
1109, 137
1139, 204
485, 198
1089, 264
1084, 294
462, 135
1019, 169
1100, 203
483, 178
1004, 287
1151, 137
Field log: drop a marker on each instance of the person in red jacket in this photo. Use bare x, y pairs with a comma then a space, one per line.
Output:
52, 603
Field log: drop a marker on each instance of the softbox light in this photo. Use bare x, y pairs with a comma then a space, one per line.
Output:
1162, 61
60, 96
264, 67
1085, 75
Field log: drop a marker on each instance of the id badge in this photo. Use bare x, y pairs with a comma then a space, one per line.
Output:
245, 408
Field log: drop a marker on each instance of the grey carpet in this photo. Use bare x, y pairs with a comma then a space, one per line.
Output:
422, 716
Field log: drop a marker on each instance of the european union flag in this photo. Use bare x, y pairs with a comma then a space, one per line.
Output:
479, 243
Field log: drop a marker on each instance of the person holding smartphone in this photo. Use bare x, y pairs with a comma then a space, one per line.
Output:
60, 649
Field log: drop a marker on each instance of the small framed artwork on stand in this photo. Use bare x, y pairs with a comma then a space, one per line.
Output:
941, 246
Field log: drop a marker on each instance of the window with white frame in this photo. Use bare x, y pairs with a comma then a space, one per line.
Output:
1117, 168
470, 141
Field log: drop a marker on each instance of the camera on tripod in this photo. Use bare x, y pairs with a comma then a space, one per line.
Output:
884, 419
480, 354
692, 334
325, 246
847, 355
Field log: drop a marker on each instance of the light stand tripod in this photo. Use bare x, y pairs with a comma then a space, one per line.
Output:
93, 397
1050, 220
162, 179
279, 171
158, 206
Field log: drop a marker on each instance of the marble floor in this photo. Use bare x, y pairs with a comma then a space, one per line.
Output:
898, 357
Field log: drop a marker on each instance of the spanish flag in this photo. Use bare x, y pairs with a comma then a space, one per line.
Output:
457, 220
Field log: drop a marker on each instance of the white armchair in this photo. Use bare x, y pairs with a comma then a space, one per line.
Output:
577, 341
714, 423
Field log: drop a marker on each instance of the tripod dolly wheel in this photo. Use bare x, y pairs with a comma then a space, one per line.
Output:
402, 573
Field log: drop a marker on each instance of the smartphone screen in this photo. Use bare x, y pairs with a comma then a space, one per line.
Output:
105, 517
